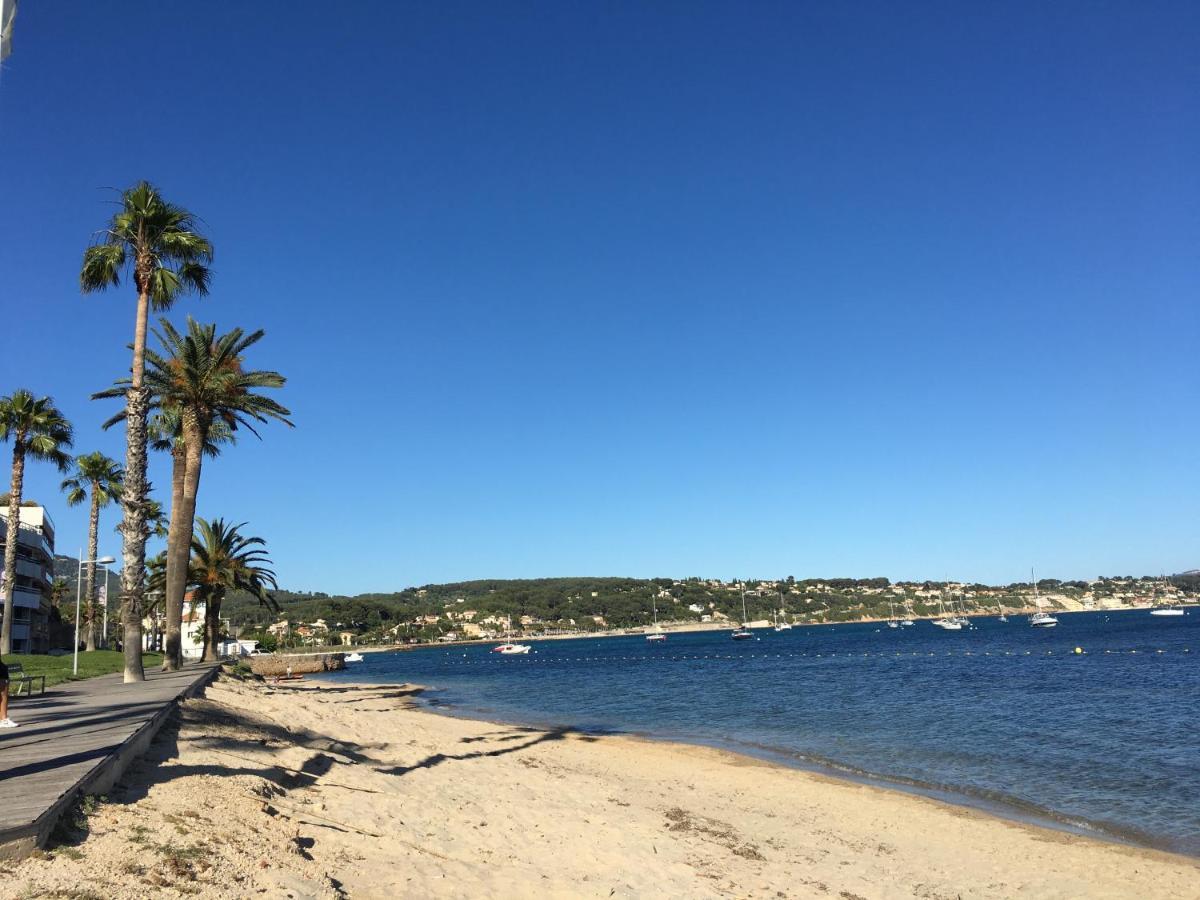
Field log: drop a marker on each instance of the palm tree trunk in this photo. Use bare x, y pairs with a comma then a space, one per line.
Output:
11, 536
212, 627
133, 528
176, 585
92, 553
193, 449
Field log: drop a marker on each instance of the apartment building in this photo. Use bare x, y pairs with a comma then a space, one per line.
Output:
35, 573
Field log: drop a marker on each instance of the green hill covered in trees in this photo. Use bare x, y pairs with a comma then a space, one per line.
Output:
587, 604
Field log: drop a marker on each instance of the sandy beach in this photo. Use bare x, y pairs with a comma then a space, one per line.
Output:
336, 790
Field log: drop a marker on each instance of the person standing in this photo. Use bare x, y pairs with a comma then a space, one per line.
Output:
5, 721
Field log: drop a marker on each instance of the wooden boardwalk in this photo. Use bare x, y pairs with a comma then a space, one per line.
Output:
76, 739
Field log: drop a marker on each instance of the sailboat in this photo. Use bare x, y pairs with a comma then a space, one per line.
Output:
743, 633
1041, 618
949, 622
892, 623
655, 634
781, 622
1000, 606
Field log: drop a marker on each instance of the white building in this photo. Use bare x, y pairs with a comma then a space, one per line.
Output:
35, 573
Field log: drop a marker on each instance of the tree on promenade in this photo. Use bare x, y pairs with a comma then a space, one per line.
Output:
38, 431
223, 560
157, 243
98, 478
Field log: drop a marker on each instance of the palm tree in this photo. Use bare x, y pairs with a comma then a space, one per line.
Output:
201, 395
156, 582
158, 244
200, 379
60, 589
223, 560
38, 431
100, 478
168, 436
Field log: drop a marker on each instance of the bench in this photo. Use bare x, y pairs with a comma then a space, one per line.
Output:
16, 674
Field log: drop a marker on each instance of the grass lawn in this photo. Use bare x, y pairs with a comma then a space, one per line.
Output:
57, 669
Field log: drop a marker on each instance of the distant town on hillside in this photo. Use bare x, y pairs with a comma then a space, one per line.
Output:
490, 609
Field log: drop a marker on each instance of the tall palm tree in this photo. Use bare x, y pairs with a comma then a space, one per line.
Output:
156, 582
224, 560
100, 478
165, 434
168, 428
158, 244
37, 431
200, 379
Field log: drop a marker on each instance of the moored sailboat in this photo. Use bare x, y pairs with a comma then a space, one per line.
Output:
781, 622
743, 632
1041, 618
655, 634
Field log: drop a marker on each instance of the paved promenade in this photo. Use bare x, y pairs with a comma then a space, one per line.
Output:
75, 739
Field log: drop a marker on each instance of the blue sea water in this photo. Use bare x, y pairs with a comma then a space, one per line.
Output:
1004, 716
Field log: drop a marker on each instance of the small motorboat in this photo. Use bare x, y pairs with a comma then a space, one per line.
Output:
512, 649
1042, 620
655, 637
1167, 611
354, 657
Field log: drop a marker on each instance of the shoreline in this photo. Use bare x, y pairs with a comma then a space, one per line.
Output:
1001, 808
343, 789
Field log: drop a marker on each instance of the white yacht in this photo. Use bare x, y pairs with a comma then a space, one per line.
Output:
655, 633
354, 657
1041, 618
948, 622
743, 633
512, 649
781, 622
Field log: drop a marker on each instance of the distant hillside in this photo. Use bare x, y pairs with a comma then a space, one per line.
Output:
552, 604
66, 567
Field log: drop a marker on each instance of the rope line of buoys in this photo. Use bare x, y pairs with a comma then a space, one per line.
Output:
467, 660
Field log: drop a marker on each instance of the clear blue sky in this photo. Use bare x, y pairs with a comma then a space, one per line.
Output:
698, 289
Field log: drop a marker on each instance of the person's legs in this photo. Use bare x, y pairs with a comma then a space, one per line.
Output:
8, 723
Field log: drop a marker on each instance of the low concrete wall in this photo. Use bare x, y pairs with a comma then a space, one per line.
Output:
299, 663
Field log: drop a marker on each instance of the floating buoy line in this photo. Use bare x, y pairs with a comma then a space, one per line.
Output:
807, 654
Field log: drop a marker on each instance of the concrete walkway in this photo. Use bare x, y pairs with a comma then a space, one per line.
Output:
77, 739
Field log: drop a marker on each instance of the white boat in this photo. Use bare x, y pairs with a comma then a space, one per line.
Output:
1168, 607
781, 622
1041, 618
655, 634
354, 657
905, 623
511, 649
743, 633
948, 622
892, 623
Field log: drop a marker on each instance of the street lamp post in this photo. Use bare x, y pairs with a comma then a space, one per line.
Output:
104, 631
103, 560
